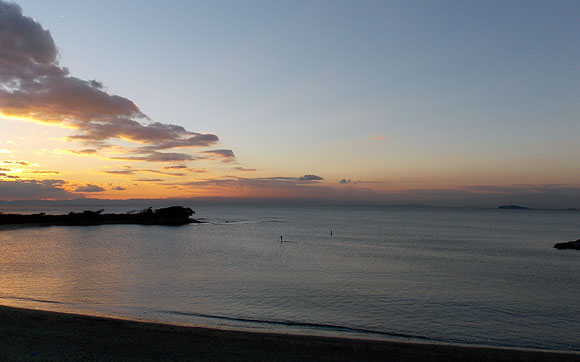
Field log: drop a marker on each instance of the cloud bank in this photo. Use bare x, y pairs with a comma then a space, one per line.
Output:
34, 190
35, 86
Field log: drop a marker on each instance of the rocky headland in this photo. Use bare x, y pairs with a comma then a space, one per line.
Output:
174, 216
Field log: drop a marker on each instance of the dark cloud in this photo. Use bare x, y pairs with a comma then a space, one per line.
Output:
27, 49
32, 190
344, 181
96, 84
189, 139
310, 178
34, 85
118, 188
176, 167
89, 188
159, 157
148, 180
5, 169
225, 155
121, 172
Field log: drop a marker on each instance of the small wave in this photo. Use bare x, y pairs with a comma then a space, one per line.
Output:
286, 323
32, 300
237, 222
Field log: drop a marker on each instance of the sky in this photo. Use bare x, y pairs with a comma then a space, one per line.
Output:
447, 103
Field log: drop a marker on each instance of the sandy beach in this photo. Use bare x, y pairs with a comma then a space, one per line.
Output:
31, 335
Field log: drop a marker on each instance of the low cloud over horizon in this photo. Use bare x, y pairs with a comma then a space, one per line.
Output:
308, 192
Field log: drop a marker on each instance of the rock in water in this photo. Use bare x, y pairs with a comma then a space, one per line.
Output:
569, 245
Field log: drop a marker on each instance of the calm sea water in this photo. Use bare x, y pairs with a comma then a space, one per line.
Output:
450, 275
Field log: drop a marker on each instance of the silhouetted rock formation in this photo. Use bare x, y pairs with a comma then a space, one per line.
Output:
513, 207
568, 245
174, 215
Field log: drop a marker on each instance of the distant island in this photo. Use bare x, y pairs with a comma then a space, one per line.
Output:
518, 207
173, 216
513, 207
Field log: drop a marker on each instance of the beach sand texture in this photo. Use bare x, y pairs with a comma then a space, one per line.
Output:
30, 335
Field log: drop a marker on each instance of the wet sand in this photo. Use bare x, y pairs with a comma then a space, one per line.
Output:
30, 335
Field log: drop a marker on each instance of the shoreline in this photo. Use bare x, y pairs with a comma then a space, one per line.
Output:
27, 334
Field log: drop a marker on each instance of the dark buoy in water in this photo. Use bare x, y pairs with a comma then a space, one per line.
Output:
330, 232
281, 239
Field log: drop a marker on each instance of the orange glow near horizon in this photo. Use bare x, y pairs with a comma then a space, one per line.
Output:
50, 156
28, 118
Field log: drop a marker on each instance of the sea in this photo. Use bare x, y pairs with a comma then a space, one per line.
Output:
438, 275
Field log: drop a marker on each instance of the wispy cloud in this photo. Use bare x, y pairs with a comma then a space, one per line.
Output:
349, 181
21, 163
86, 151
231, 181
378, 139
132, 171
185, 169
175, 167
44, 172
224, 155
243, 169
33, 85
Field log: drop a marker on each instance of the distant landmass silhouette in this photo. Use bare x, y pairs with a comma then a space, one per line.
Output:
513, 207
174, 216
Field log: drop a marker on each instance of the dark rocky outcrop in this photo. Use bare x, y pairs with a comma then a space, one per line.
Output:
568, 245
175, 215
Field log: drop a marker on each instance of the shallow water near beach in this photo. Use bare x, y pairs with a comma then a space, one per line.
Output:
444, 275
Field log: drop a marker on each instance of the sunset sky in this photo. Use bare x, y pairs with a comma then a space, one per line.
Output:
435, 102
